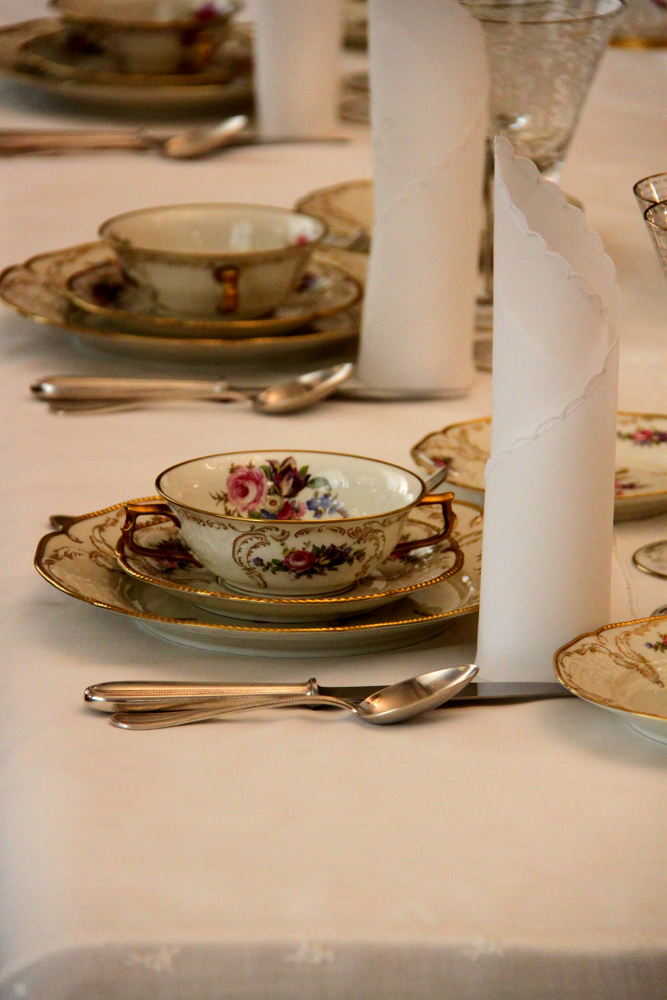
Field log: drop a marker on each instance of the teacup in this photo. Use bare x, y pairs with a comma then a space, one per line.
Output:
238, 261
148, 36
287, 523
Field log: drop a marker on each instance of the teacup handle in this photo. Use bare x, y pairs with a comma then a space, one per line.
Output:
445, 501
229, 279
133, 511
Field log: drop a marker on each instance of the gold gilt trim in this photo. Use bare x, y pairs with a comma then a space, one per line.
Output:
648, 671
43, 571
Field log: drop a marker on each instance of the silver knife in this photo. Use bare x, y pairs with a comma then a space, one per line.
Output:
109, 696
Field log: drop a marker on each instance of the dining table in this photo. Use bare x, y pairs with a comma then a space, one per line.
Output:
481, 852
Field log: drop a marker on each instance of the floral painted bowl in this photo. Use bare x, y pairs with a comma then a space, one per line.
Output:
288, 524
622, 668
230, 261
641, 461
148, 36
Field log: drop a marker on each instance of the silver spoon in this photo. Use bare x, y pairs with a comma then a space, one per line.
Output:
190, 143
82, 394
395, 703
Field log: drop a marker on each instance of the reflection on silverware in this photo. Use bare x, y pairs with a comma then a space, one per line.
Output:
145, 695
82, 394
395, 703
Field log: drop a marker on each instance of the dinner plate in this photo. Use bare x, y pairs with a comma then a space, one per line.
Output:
622, 668
35, 289
641, 461
81, 561
104, 290
223, 99
389, 582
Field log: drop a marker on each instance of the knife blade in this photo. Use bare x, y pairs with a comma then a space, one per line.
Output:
109, 696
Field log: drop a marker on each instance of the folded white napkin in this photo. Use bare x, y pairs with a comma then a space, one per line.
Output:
297, 53
546, 573
429, 96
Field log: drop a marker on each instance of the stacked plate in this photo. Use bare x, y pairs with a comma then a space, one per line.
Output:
238, 312
403, 601
47, 55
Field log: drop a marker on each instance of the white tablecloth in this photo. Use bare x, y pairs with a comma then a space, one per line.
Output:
487, 853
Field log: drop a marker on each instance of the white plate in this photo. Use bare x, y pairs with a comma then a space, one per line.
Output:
222, 98
641, 461
622, 668
388, 583
81, 561
36, 290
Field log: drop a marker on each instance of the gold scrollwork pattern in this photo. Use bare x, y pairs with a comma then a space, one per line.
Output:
247, 545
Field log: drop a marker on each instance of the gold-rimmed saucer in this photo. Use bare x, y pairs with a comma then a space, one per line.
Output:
622, 668
641, 461
80, 560
391, 581
104, 291
36, 290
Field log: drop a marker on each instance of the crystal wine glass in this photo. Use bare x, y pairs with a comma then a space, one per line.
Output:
542, 59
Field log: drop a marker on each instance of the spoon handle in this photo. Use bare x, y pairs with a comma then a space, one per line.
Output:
167, 719
82, 387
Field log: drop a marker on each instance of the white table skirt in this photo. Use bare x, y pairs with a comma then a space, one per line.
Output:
487, 853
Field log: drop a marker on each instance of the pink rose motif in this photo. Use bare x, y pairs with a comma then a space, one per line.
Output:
643, 436
246, 488
299, 560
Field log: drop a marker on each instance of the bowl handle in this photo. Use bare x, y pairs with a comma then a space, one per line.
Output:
229, 279
133, 511
445, 501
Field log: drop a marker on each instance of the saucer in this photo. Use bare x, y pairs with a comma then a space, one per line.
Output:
221, 99
36, 289
622, 668
641, 461
81, 561
388, 583
103, 290
52, 56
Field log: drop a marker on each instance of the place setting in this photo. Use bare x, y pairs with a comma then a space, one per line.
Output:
145, 55
197, 284
278, 554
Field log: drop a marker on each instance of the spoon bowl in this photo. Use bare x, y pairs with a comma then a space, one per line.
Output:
396, 703
302, 392
202, 139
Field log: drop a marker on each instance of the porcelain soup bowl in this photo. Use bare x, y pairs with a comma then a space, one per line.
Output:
148, 36
287, 523
238, 261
